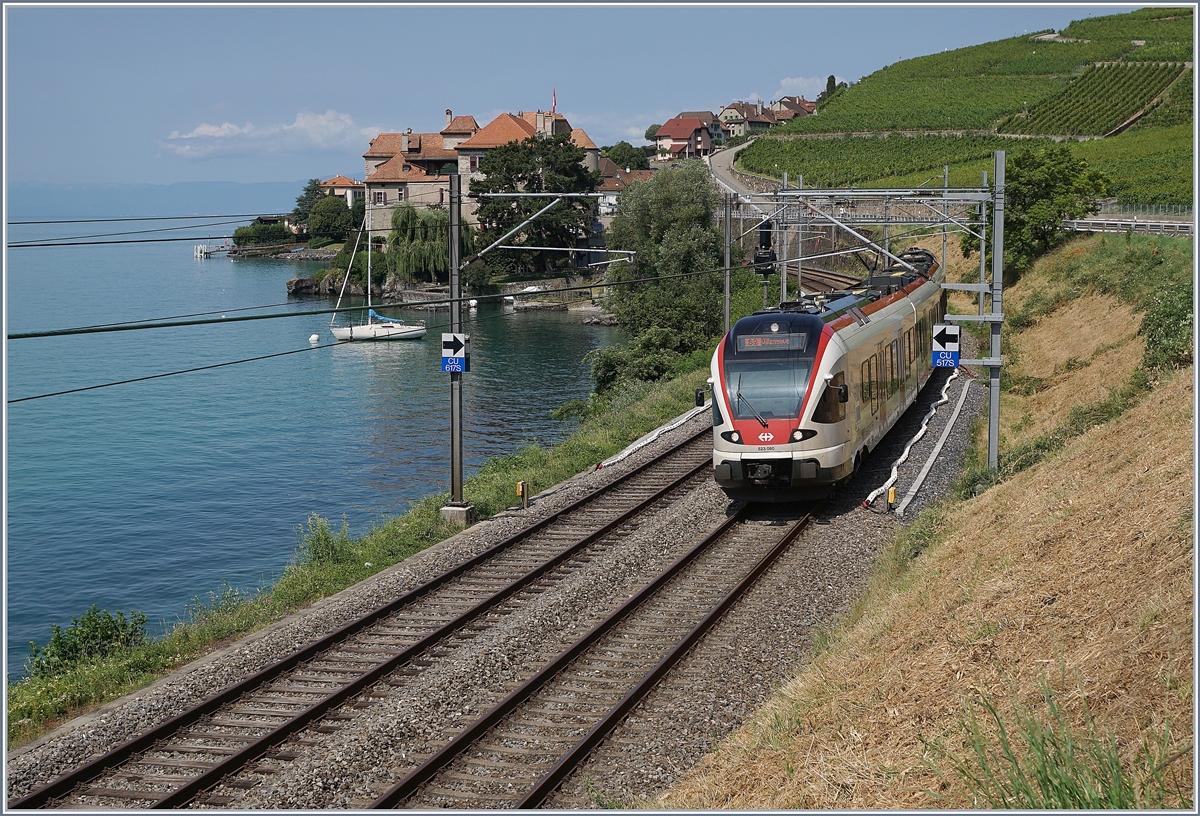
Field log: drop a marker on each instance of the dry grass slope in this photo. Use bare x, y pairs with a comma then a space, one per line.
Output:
1075, 574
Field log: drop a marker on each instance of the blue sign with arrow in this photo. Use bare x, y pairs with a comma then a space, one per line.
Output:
945, 345
456, 353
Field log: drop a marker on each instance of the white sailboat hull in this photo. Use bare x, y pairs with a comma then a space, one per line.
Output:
378, 331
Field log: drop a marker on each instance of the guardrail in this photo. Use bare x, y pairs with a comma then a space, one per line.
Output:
1135, 225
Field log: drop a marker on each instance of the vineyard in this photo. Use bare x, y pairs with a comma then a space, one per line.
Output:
853, 160
957, 107
1016, 56
1095, 103
1166, 33
880, 102
1176, 108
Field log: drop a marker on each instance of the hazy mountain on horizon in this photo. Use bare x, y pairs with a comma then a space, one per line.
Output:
32, 200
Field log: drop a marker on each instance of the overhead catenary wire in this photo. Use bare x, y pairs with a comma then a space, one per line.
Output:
38, 241
57, 242
136, 218
163, 324
219, 365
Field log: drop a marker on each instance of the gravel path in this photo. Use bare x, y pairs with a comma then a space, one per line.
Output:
728, 676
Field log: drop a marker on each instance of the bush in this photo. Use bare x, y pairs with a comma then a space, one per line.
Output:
319, 545
257, 234
96, 633
1167, 328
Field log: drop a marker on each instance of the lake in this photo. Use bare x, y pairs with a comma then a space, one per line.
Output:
149, 494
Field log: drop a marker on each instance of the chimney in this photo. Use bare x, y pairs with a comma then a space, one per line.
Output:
449, 117
404, 141
758, 107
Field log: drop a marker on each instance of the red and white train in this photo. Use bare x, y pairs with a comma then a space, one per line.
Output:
802, 392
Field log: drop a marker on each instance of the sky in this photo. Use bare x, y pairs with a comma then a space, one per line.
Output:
160, 94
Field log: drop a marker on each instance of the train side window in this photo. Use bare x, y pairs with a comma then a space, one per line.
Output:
909, 351
866, 382
874, 383
830, 407
891, 372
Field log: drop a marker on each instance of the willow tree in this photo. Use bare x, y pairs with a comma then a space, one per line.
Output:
418, 247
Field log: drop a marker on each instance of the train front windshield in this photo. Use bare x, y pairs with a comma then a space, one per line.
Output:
768, 362
772, 388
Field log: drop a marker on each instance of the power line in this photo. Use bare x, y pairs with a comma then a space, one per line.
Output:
163, 324
216, 365
168, 374
57, 242
34, 245
118, 327
34, 242
147, 218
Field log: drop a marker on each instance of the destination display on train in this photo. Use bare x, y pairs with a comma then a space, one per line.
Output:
780, 341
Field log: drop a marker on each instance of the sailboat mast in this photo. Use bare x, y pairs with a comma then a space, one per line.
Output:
370, 246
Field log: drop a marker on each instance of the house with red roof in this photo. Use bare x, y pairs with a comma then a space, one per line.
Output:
710, 120
614, 179
741, 118
507, 128
416, 167
347, 189
683, 139
412, 167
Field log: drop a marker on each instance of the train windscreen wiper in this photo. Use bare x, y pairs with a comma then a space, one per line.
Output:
742, 399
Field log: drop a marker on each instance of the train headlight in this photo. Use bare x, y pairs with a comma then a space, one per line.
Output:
800, 434
732, 436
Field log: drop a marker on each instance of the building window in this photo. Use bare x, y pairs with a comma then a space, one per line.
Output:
474, 164
381, 197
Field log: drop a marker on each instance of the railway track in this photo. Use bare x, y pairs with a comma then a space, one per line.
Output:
316, 690
822, 280
517, 753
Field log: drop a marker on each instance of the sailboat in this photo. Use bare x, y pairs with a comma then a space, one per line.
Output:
377, 326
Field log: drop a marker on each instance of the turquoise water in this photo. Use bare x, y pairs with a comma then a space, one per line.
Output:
147, 495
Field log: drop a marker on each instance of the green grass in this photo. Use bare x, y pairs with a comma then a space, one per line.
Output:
1154, 276
327, 560
1034, 759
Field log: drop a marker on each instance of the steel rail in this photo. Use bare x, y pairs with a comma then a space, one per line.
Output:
461, 742
575, 757
214, 775
67, 782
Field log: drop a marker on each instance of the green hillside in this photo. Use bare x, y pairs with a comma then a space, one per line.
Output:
1100, 100
977, 86
910, 119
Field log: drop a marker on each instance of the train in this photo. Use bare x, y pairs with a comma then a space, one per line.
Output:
802, 392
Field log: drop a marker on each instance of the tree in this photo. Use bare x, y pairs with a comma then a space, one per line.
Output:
668, 221
535, 165
313, 192
418, 245
1043, 187
260, 234
832, 86
623, 154
329, 218
651, 132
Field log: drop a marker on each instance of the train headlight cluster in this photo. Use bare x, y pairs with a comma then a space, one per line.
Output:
800, 434
732, 436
